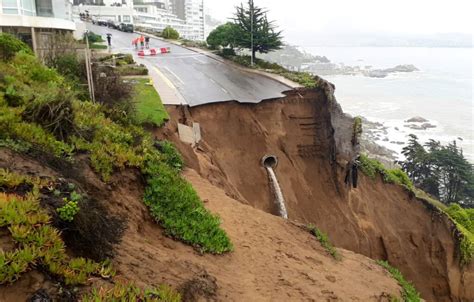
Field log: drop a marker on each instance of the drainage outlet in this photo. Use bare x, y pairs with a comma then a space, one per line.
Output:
269, 161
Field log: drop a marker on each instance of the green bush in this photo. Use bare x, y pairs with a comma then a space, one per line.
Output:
409, 294
462, 216
464, 220
228, 52
94, 38
177, 207
324, 240
170, 33
372, 168
68, 65
9, 46
356, 130
70, 207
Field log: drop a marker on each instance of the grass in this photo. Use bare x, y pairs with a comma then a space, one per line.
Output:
98, 46
324, 240
409, 292
149, 108
176, 206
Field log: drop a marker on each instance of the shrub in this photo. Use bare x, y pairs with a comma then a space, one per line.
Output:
93, 38
324, 240
112, 91
356, 130
462, 216
228, 52
9, 46
177, 207
170, 33
129, 292
409, 294
68, 210
372, 168
68, 65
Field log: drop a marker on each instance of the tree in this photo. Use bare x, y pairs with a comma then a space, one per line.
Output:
170, 33
224, 35
439, 170
256, 30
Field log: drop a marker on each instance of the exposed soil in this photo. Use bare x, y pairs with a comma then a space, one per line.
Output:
311, 137
274, 260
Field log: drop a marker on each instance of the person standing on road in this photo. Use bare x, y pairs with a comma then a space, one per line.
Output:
147, 42
109, 40
135, 43
142, 41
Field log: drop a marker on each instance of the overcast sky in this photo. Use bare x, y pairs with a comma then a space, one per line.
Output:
360, 16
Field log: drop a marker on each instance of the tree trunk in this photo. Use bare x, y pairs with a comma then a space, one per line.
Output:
253, 55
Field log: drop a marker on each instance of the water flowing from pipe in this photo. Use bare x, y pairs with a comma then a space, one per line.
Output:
280, 201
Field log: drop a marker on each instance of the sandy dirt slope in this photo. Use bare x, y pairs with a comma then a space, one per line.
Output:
311, 138
274, 260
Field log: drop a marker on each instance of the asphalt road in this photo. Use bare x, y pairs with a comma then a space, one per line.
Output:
198, 78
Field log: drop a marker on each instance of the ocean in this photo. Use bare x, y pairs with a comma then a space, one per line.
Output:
441, 92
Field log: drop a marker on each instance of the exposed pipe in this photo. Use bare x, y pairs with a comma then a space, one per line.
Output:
270, 162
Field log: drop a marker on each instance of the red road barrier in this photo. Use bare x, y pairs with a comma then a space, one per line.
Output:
152, 51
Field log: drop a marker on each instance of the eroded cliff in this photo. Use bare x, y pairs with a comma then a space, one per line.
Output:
315, 145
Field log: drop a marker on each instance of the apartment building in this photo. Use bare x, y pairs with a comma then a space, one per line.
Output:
36, 21
192, 11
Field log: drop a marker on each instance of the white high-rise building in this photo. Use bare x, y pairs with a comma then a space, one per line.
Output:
191, 11
36, 21
194, 16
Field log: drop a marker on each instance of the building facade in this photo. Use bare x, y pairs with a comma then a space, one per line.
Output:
186, 16
36, 21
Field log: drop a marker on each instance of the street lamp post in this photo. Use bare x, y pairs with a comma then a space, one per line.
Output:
251, 34
90, 79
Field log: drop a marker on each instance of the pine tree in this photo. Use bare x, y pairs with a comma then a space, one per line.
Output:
256, 30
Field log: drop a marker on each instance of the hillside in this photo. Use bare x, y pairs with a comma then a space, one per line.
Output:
315, 146
94, 208
273, 259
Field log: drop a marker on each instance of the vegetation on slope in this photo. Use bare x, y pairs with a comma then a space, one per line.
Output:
37, 243
409, 294
372, 168
324, 240
129, 292
39, 110
458, 215
464, 220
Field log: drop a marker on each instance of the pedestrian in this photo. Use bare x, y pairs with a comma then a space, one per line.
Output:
109, 40
142, 41
135, 43
147, 42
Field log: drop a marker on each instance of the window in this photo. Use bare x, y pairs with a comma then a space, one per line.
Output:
10, 11
126, 19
